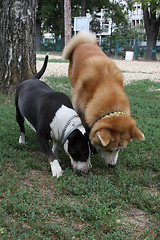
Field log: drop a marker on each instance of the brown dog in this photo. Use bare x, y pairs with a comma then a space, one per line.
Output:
99, 98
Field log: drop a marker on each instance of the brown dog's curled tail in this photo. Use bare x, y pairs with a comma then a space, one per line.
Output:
80, 38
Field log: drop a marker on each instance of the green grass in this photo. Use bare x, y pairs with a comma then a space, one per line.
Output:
120, 203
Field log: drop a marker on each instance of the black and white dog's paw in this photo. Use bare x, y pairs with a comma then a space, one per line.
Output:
56, 169
22, 138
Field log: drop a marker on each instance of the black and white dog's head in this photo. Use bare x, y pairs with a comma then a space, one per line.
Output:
77, 148
66, 127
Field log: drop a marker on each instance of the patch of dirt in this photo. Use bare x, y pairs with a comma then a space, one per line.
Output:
137, 221
153, 191
132, 70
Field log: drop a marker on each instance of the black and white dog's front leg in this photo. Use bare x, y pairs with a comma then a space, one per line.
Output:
55, 148
55, 167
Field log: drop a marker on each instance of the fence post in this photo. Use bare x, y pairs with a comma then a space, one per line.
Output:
116, 47
136, 49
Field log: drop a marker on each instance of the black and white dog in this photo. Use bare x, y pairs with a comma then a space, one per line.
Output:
52, 116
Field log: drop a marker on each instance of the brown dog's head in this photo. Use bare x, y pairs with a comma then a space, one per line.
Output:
112, 133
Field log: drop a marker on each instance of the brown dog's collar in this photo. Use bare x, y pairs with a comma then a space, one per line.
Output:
109, 115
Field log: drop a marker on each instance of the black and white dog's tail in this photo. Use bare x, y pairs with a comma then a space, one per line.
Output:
41, 72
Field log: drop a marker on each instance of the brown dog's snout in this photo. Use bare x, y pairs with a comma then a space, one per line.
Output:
111, 166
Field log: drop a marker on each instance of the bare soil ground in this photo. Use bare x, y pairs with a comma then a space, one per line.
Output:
132, 70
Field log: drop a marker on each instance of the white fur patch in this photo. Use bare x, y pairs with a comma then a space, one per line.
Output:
55, 148
29, 124
59, 121
84, 166
56, 169
110, 157
22, 138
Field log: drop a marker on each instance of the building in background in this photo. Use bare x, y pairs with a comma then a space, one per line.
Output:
105, 27
136, 16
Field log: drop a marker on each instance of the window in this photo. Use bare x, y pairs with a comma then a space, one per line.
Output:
137, 22
105, 28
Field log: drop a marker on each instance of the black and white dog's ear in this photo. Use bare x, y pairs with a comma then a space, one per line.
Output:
93, 149
76, 135
86, 134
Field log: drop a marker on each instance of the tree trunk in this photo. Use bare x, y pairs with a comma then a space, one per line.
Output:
17, 43
62, 17
151, 25
83, 8
38, 25
151, 48
38, 35
67, 20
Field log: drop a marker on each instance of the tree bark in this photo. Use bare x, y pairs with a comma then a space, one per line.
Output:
83, 8
38, 25
38, 35
151, 25
62, 16
67, 20
17, 43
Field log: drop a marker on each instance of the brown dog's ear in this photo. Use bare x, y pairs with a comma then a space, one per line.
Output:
104, 136
137, 134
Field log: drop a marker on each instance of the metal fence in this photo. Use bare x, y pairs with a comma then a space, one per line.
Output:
118, 47
54, 44
112, 47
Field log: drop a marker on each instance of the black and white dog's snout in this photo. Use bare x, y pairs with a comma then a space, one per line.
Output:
52, 116
80, 159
